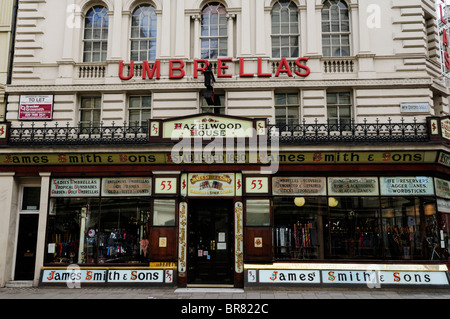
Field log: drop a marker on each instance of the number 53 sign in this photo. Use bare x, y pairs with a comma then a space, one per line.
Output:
257, 185
165, 185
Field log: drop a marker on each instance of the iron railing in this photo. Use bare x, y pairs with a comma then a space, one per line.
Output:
83, 134
350, 132
303, 133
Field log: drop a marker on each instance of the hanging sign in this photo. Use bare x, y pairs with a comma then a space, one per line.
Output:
75, 187
36, 107
211, 184
404, 186
295, 186
134, 186
350, 186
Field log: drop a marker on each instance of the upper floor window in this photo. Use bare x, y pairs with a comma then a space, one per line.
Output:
143, 33
335, 28
96, 34
90, 111
214, 31
285, 29
286, 108
140, 110
217, 108
339, 108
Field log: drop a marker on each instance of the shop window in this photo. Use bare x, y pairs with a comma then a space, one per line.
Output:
90, 231
164, 212
143, 33
123, 223
339, 109
96, 35
286, 109
335, 29
353, 229
297, 231
72, 232
139, 110
285, 29
31, 198
403, 234
258, 212
90, 111
214, 31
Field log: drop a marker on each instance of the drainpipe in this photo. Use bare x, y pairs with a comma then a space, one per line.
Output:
11, 54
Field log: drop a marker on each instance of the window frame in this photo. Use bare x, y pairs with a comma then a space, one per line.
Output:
328, 5
151, 51
210, 38
340, 122
289, 35
286, 108
103, 40
141, 109
92, 123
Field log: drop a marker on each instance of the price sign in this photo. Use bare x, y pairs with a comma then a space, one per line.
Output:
166, 185
256, 185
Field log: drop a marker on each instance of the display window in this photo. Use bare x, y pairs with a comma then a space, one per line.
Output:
98, 231
298, 223
68, 221
352, 230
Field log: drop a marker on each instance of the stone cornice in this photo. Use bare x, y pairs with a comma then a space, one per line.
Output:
223, 84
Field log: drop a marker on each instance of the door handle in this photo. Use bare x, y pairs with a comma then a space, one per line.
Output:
212, 245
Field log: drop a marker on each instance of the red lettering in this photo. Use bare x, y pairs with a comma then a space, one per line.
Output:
146, 70
62, 158
260, 74
89, 275
221, 66
125, 78
179, 68
397, 277
283, 67
307, 69
445, 38
196, 68
242, 74
442, 15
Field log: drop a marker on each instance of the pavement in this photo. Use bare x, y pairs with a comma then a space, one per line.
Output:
222, 293
225, 303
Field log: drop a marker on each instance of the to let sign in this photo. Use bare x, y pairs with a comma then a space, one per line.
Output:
36, 107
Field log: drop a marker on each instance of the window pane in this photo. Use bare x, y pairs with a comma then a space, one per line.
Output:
31, 198
164, 212
258, 212
146, 101
280, 99
292, 99
332, 98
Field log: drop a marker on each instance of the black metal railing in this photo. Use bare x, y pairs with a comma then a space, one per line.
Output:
304, 133
83, 134
348, 131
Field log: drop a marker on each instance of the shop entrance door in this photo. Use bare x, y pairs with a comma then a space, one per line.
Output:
210, 242
26, 247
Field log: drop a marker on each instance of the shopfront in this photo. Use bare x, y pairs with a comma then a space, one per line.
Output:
324, 217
